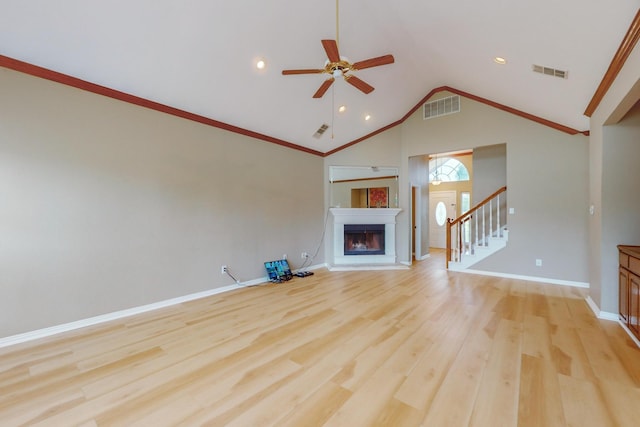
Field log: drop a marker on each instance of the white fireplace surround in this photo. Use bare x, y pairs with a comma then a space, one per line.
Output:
386, 216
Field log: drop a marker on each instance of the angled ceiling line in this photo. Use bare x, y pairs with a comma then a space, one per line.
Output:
540, 120
65, 79
77, 83
619, 58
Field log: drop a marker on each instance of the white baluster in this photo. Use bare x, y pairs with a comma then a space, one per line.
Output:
457, 242
498, 217
484, 230
455, 245
490, 220
477, 214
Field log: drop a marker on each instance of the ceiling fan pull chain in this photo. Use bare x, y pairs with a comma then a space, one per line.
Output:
338, 22
333, 109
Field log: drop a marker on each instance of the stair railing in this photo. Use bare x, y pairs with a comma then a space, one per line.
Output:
481, 221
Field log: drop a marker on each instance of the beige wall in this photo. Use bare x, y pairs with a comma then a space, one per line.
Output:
490, 166
604, 232
620, 199
547, 177
106, 206
381, 150
546, 173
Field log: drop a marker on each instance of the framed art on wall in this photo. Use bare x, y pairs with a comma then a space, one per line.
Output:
378, 197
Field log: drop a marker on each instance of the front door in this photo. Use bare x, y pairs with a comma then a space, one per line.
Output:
442, 206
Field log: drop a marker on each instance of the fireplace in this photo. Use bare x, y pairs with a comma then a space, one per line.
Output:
364, 239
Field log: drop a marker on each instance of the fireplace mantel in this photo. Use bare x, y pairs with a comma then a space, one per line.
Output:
364, 215
386, 216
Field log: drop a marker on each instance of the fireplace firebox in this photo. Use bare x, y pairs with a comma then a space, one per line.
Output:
364, 239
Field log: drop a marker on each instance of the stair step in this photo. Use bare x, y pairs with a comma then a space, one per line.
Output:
480, 253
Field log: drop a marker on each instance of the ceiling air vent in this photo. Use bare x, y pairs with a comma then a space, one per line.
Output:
550, 71
441, 107
322, 129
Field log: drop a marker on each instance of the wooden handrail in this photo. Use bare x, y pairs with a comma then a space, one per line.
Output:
476, 207
465, 217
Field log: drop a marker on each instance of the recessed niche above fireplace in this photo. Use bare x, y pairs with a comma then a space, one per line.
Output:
363, 186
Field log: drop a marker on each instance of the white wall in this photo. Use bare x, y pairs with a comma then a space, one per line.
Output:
106, 206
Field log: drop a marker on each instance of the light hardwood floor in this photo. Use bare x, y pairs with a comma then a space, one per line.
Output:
423, 347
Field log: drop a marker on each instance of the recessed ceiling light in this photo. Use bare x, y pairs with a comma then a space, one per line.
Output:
499, 60
367, 117
261, 64
342, 108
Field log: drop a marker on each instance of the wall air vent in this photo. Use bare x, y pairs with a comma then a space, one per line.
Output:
441, 107
550, 71
322, 129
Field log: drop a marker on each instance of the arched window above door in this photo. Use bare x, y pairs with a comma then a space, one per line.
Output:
447, 169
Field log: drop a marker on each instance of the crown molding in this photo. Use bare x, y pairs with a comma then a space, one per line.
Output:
624, 50
540, 120
65, 79
75, 82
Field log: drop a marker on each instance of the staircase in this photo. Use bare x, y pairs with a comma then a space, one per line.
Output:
478, 233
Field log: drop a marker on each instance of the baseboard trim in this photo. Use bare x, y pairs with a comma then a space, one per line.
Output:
91, 321
528, 278
605, 315
628, 331
78, 324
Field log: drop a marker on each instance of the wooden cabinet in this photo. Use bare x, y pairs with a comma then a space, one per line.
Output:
634, 304
623, 295
629, 287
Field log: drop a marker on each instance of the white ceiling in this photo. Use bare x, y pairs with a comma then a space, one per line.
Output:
199, 55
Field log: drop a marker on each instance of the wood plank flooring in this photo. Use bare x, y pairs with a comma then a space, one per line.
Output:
422, 347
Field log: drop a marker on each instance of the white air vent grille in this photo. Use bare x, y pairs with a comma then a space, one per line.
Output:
550, 71
322, 129
441, 107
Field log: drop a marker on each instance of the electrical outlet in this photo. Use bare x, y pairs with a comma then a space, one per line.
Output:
538, 262
304, 255
284, 256
223, 269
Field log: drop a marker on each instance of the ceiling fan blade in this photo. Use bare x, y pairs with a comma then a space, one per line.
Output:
308, 71
323, 88
373, 62
359, 84
331, 47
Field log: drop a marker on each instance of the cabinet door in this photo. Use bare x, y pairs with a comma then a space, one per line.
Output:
634, 303
623, 295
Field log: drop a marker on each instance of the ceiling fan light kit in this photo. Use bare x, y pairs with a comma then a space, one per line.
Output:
338, 66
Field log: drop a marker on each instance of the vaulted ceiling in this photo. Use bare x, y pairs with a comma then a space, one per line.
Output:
199, 56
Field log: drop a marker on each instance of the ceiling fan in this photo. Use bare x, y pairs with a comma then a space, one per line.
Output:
337, 66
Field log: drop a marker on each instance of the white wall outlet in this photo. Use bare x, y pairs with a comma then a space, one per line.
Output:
512, 211
304, 255
223, 269
284, 256
538, 262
